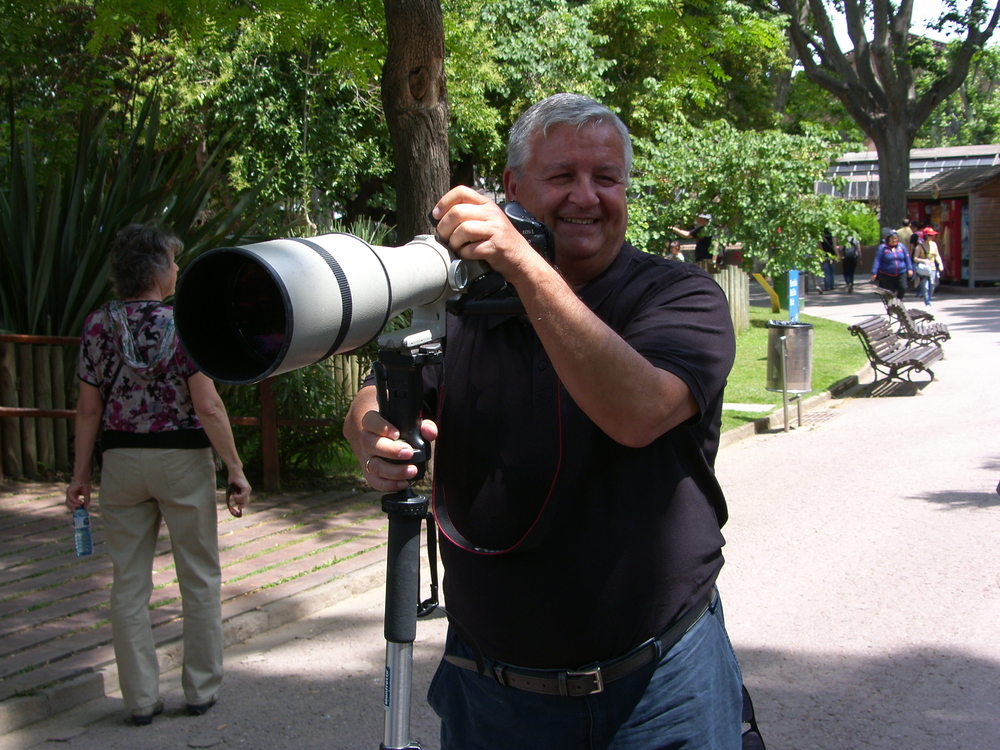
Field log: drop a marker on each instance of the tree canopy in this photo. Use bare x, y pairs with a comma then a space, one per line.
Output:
295, 86
971, 114
877, 80
758, 187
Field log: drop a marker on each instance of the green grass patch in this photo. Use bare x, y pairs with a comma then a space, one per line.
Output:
836, 354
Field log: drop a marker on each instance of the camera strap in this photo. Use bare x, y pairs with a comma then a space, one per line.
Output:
448, 528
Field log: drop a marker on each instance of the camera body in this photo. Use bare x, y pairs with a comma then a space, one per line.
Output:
535, 232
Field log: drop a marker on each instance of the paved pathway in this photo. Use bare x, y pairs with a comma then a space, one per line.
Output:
863, 578
287, 556
862, 588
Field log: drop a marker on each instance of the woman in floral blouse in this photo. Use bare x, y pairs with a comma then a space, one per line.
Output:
158, 419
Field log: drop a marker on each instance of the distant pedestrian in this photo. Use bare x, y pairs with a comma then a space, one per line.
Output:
850, 254
828, 261
674, 251
697, 231
927, 265
904, 233
892, 267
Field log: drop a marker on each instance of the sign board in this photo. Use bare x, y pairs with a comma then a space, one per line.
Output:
793, 296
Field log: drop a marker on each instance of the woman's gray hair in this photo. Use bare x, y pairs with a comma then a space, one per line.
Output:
140, 254
557, 109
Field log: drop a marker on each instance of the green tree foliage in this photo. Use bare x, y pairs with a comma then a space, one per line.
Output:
297, 83
699, 60
972, 114
810, 109
56, 227
876, 80
297, 80
652, 61
503, 55
48, 75
758, 187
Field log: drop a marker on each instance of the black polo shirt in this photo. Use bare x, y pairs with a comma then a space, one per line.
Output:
586, 548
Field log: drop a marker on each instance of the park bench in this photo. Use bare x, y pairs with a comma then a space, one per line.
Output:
913, 323
890, 355
918, 330
915, 313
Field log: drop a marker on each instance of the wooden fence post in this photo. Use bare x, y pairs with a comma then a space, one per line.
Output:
10, 430
269, 437
25, 378
60, 426
735, 284
42, 365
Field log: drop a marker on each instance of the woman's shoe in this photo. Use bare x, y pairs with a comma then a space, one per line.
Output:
144, 719
200, 709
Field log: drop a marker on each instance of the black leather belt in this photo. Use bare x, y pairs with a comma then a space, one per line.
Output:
591, 679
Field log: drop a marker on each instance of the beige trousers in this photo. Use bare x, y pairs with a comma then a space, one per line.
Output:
138, 487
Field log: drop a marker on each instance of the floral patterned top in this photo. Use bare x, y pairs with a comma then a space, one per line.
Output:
129, 351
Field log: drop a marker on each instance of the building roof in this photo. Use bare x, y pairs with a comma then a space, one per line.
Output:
860, 169
953, 183
963, 153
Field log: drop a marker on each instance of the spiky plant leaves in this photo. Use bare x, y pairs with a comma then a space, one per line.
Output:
55, 234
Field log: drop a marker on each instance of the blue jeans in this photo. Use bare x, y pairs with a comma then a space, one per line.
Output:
926, 288
690, 698
828, 282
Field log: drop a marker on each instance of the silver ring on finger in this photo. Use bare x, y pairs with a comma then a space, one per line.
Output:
368, 469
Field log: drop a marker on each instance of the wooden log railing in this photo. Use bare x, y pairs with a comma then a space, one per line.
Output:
34, 394
36, 386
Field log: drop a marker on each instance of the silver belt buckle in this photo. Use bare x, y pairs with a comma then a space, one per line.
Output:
594, 674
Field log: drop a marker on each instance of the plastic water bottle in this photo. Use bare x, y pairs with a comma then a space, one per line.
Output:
82, 539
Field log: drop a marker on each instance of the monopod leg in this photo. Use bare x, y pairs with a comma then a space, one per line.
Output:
399, 385
406, 512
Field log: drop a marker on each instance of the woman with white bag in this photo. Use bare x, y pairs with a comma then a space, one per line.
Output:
927, 264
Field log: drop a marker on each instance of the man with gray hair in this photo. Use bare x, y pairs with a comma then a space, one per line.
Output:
574, 480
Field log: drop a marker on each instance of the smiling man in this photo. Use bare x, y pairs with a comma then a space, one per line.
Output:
574, 480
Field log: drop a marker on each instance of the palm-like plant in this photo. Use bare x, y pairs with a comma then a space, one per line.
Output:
55, 232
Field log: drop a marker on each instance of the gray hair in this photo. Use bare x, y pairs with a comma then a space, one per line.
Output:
557, 109
140, 254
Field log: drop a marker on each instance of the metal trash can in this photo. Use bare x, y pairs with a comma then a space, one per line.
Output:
791, 341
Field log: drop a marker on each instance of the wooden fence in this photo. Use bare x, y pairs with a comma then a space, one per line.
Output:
735, 282
38, 383
35, 377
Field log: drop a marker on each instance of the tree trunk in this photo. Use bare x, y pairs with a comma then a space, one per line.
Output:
893, 145
415, 100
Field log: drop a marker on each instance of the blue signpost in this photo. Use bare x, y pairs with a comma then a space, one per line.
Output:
793, 296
